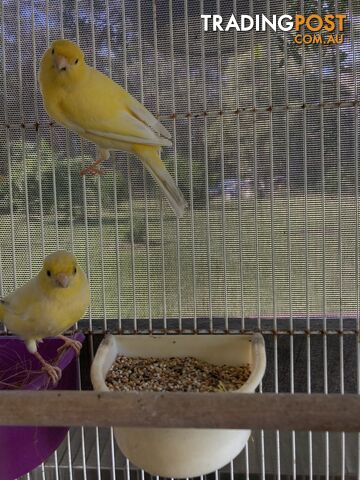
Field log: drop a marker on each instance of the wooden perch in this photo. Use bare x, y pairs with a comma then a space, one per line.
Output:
182, 410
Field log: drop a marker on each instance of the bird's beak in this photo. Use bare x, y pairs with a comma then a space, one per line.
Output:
62, 280
60, 63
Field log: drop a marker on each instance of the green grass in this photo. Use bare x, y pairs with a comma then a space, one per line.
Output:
145, 279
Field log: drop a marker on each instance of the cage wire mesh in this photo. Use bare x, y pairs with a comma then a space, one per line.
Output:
265, 148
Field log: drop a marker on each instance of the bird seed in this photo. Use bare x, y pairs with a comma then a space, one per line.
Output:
174, 374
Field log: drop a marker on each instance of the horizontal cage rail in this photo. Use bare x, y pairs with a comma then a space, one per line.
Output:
218, 113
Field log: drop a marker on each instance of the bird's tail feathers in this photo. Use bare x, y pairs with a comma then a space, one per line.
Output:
152, 161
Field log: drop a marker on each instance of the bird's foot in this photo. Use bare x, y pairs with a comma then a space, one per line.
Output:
101, 156
70, 343
92, 169
53, 372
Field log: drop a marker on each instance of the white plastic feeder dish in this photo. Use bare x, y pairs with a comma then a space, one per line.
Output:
178, 452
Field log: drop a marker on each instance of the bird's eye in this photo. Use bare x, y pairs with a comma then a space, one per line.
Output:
53, 51
76, 61
75, 270
48, 273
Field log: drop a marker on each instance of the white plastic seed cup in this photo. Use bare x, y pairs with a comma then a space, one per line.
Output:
177, 452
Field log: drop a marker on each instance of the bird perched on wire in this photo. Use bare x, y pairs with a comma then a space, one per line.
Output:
89, 103
47, 305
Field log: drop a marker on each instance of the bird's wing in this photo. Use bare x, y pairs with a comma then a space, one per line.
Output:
21, 300
104, 109
144, 116
136, 131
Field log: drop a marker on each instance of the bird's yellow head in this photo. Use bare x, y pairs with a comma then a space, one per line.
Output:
60, 270
62, 62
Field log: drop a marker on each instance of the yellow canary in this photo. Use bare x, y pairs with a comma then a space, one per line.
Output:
48, 304
87, 102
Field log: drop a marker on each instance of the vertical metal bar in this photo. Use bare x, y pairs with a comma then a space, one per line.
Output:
133, 268
238, 149
187, 64
33, 38
148, 267
112, 450
5, 114
98, 460
108, 32
247, 476
47, 28
87, 248
108, 37
322, 155
83, 453
53, 170
102, 248
23, 141
173, 104
101, 235
222, 166
157, 101
43, 471
26, 195
82, 431
253, 95
127, 468
8, 150
67, 145
114, 172
273, 282
308, 326
341, 322
123, 15
36, 114
117, 249
289, 224
56, 465
61, 16
356, 157
93, 43
206, 160
97, 442
19, 59
70, 469
163, 262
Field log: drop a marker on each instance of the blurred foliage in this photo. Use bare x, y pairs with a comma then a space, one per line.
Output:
42, 180
138, 231
198, 179
108, 188
307, 8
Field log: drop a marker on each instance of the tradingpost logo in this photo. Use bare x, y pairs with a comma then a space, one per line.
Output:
310, 29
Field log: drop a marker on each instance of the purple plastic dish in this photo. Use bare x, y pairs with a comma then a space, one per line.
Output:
24, 448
